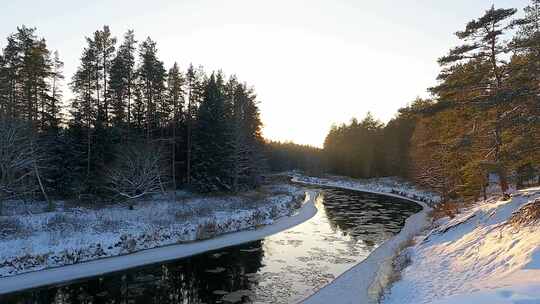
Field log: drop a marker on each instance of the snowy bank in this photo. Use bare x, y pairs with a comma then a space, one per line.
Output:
488, 254
34, 240
365, 282
150, 256
385, 185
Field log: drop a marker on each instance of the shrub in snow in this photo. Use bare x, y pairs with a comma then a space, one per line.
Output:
136, 172
526, 215
18, 160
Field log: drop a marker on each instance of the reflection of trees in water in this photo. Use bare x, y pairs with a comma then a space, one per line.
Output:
365, 217
189, 281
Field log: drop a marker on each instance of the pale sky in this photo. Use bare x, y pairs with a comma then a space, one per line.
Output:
312, 62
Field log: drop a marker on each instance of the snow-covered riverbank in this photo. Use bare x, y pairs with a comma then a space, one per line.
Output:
365, 282
489, 254
32, 240
386, 185
150, 256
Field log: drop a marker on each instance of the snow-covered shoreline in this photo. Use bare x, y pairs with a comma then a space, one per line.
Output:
365, 282
33, 239
150, 256
487, 254
390, 186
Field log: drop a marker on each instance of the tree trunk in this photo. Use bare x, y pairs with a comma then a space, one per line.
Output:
189, 127
49, 202
105, 101
88, 148
237, 161
129, 108
174, 152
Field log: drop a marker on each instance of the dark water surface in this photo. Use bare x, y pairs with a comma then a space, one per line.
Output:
283, 268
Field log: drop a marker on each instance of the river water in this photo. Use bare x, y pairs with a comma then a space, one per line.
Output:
283, 268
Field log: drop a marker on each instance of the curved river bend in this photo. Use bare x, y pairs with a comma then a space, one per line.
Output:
283, 268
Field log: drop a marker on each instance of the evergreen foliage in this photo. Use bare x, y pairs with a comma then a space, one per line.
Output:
482, 120
205, 129
128, 116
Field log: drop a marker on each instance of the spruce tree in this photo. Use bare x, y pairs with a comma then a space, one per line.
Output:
247, 142
212, 140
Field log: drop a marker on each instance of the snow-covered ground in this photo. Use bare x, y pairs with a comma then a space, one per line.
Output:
488, 254
365, 282
32, 239
160, 254
385, 185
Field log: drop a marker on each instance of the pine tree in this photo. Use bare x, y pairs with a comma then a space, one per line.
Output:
84, 106
525, 64
12, 62
236, 101
139, 108
175, 95
195, 80
485, 46
483, 43
152, 78
105, 48
54, 106
527, 38
4, 87
121, 83
25, 71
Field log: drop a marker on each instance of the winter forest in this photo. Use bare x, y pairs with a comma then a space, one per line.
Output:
483, 118
132, 128
140, 179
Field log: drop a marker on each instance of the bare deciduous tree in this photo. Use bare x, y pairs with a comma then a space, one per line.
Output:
18, 159
137, 172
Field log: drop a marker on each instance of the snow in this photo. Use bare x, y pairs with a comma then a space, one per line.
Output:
387, 186
365, 282
32, 239
480, 256
150, 256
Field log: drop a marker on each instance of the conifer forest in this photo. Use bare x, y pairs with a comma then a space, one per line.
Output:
349, 152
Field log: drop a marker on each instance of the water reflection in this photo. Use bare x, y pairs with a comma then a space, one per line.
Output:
283, 268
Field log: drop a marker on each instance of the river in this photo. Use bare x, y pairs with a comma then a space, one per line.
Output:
283, 268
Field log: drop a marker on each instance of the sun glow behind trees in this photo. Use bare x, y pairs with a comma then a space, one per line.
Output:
322, 61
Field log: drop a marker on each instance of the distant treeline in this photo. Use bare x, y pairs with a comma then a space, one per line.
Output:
483, 118
132, 128
286, 156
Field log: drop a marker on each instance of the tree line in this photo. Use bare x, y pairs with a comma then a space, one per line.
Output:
482, 120
288, 156
132, 128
